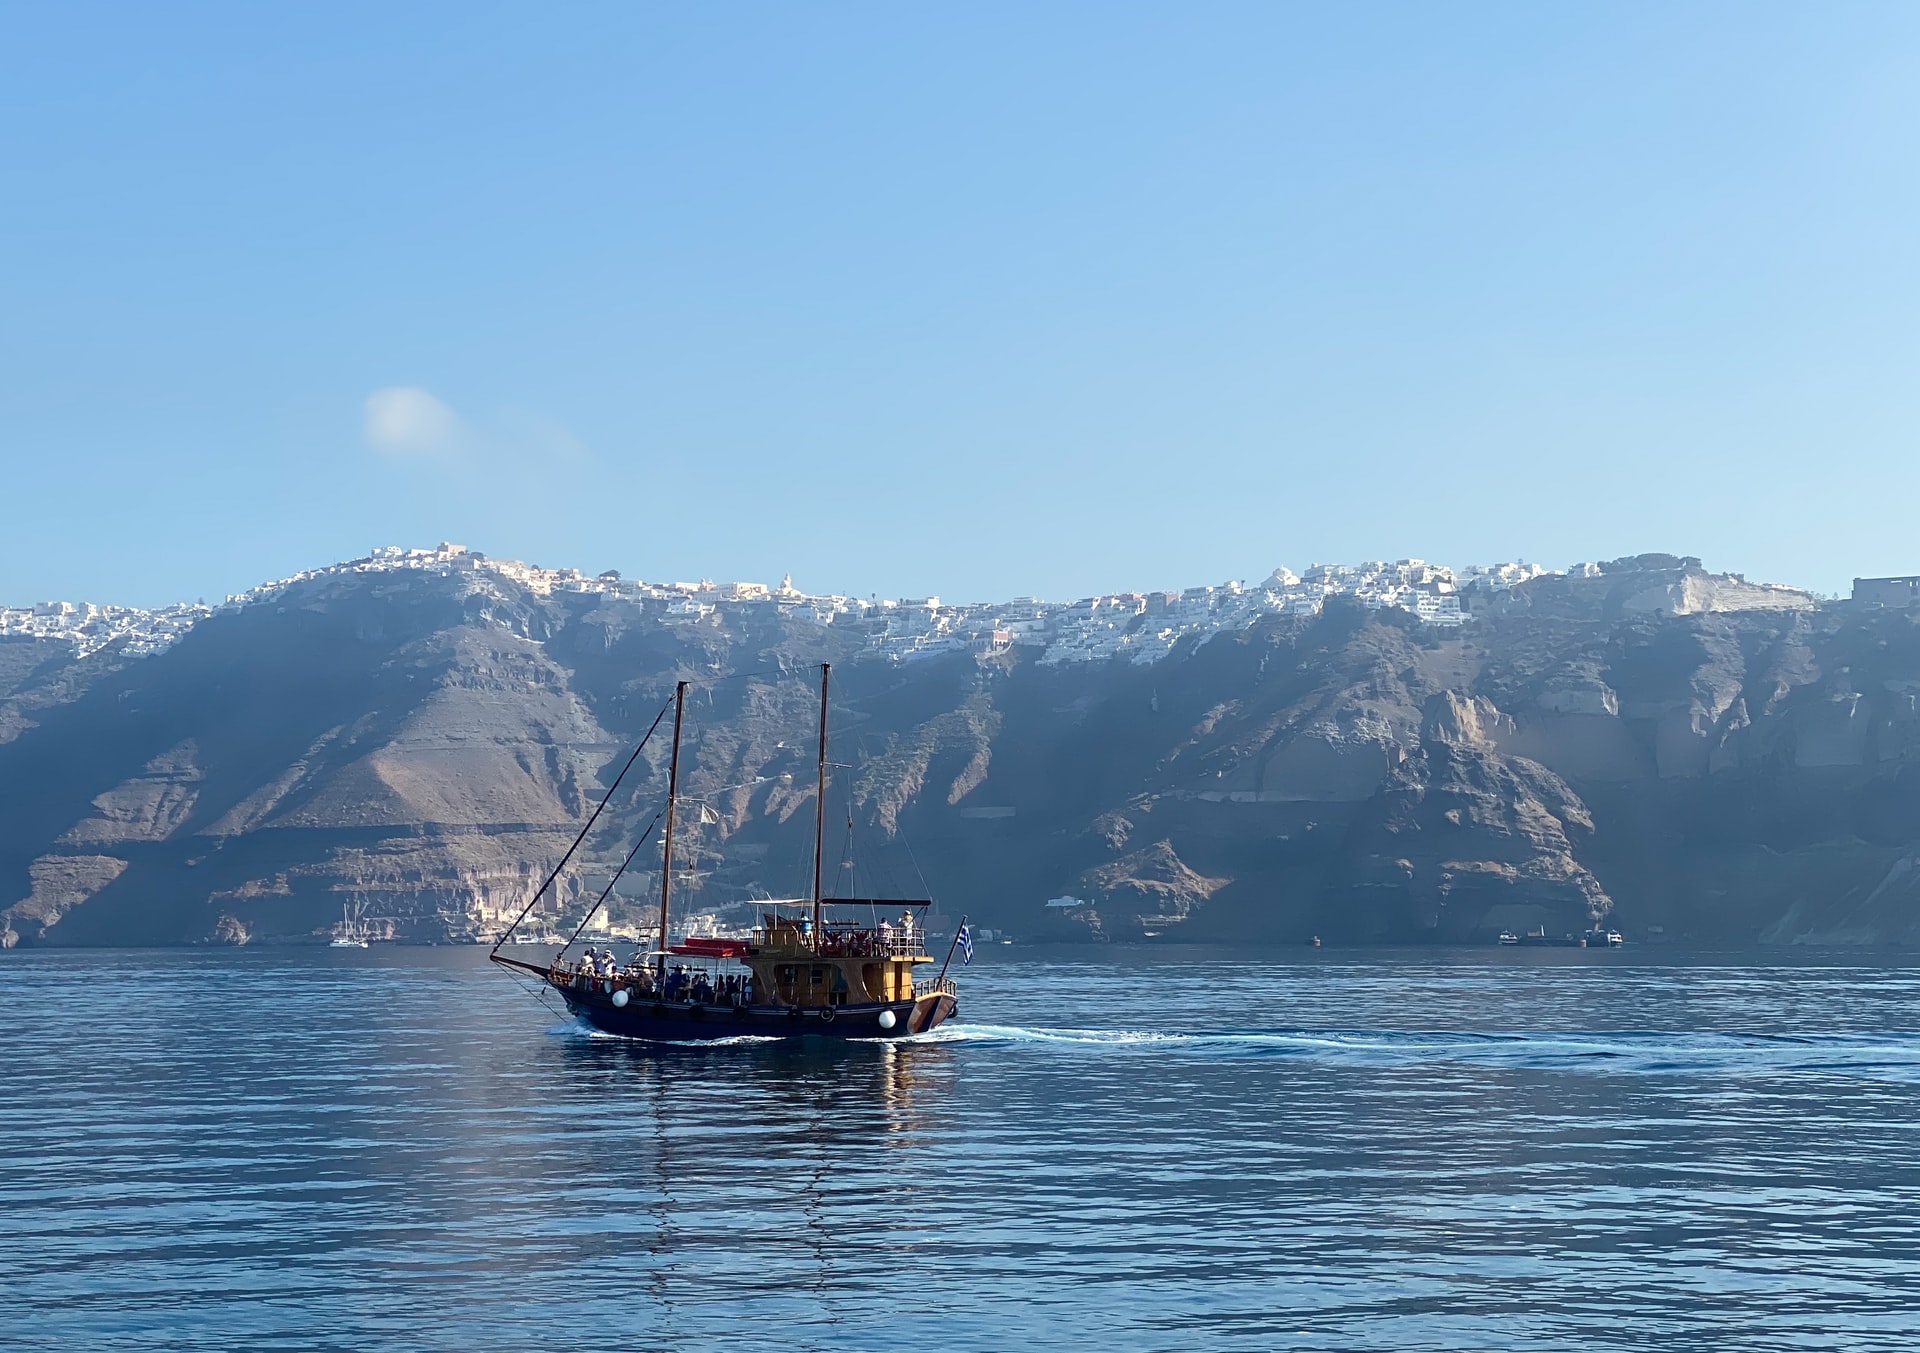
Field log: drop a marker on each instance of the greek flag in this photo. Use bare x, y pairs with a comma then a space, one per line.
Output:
965, 940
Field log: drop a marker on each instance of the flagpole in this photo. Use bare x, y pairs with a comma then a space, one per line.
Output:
950, 948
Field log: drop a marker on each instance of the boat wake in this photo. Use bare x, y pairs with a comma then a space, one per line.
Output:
1628, 1051
1891, 1056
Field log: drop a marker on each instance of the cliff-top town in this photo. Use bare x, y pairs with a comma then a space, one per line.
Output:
1142, 626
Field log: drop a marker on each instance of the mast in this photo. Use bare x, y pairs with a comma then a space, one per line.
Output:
673, 790
820, 804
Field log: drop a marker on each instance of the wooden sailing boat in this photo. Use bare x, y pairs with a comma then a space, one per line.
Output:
812, 974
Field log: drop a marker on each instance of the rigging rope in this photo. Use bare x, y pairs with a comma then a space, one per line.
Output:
541, 890
602, 900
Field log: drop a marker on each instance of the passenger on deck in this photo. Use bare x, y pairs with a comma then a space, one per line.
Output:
702, 990
746, 990
643, 978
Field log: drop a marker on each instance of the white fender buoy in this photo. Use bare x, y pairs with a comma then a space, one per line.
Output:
887, 1021
620, 996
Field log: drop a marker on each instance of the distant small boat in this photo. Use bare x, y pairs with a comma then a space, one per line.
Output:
350, 933
1595, 937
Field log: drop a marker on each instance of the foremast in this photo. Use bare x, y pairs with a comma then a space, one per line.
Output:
820, 803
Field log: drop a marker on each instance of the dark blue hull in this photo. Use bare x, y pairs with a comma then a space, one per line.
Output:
675, 1022
681, 1021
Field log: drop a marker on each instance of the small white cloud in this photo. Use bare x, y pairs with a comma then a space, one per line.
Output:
405, 420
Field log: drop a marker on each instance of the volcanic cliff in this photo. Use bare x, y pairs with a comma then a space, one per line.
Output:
1667, 751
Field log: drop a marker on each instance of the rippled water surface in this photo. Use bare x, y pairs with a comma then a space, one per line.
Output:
401, 1149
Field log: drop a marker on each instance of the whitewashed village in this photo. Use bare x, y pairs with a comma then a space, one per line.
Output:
1139, 627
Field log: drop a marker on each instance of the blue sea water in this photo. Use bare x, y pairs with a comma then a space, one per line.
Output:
401, 1149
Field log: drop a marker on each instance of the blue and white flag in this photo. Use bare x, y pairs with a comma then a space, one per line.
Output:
965, 940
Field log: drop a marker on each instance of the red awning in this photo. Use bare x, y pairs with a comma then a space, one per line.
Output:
705, 947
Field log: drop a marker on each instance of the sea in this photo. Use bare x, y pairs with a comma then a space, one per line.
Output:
402, 1148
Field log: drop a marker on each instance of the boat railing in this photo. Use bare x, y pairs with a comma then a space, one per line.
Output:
885, 942
936, 986
903, 944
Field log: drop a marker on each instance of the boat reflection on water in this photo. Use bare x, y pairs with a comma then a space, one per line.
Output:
684, 1148
840, 1089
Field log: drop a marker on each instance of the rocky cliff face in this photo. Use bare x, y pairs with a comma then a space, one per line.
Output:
420, 749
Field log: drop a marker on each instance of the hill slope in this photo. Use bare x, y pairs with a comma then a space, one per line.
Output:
421, 746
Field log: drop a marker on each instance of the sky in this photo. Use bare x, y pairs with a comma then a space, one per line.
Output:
972, 300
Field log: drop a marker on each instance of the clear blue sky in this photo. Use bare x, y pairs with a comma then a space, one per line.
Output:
976, 299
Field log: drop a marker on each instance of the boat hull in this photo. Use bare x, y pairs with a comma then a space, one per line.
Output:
677, 1022
645, 1016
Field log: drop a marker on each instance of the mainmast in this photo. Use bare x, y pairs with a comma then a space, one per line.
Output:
673, 790
820, 804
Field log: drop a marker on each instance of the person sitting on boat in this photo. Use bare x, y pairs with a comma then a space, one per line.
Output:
702, 990
643, 979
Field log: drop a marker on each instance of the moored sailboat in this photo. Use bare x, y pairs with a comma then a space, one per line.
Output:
811, 969
351, 933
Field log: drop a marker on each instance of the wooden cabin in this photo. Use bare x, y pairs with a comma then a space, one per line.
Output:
851, 964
